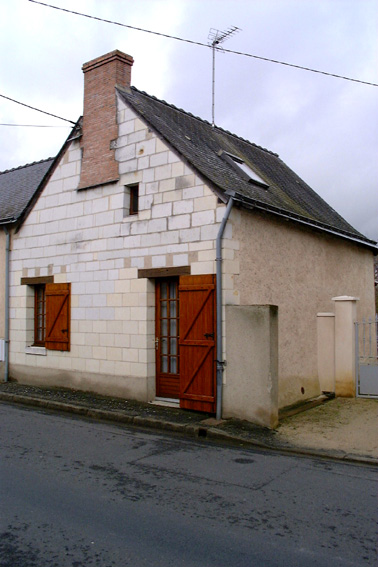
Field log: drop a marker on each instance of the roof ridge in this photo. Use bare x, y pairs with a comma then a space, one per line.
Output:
26, 165
204, 121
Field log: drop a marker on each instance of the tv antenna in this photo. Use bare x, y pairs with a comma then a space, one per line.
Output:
217, 37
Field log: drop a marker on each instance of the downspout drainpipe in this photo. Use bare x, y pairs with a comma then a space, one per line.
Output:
7, 254
220, 362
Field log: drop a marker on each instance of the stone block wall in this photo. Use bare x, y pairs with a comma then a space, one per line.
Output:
86, 237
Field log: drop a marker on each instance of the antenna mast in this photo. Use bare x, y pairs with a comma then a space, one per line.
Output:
217, 37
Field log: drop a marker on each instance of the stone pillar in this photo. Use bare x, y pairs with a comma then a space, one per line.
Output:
251, 388
326, 351
345, 368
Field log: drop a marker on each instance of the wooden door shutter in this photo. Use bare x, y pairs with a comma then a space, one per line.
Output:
197, 342
58, 316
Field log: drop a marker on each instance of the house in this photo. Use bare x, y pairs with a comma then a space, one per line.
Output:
18, 188
164, 258
376, 283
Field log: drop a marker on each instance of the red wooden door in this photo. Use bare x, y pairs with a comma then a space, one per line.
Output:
166, 338
197, 342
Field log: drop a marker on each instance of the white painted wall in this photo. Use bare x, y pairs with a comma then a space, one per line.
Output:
87, 238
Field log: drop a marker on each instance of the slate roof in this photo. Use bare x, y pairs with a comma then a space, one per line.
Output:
18, 187
199, 144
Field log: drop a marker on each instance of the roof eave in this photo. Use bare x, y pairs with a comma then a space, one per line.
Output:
8, 221
250, 204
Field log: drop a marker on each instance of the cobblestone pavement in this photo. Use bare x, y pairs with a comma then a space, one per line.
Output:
341, 428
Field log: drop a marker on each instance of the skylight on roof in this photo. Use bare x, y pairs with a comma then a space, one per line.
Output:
248, 170
244, 169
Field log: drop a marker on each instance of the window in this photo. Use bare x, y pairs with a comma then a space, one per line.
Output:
131, 200
243, 168
39, 315
134, 199
51, 314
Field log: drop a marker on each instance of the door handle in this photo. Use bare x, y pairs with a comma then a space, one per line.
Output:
209, 335
157, 343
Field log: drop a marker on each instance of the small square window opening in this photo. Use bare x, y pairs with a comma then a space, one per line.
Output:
131, 200
134, 199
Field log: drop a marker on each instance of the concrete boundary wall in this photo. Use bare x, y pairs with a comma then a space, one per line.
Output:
336, 348
251, 388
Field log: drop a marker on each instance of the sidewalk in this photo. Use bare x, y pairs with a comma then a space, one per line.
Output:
342, 428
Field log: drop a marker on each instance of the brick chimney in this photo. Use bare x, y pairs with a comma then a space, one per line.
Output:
100, 116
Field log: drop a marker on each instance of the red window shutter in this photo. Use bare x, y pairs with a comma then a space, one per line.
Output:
58, 316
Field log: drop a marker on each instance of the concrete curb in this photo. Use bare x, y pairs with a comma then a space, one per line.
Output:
198, 431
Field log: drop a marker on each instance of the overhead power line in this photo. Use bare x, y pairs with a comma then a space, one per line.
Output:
34, 126
37, 109
190, 41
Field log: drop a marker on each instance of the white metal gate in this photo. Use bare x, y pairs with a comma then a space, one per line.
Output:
367, 358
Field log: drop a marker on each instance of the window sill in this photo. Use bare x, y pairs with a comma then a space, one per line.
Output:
39, 351
130, 216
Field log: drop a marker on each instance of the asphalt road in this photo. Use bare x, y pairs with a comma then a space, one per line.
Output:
80, 493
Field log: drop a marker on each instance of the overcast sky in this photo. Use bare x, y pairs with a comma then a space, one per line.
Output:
324, 128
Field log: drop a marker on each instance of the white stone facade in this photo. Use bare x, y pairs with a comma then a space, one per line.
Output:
88, 238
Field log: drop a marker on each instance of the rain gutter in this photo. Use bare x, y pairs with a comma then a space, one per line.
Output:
249, 203
219, 306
